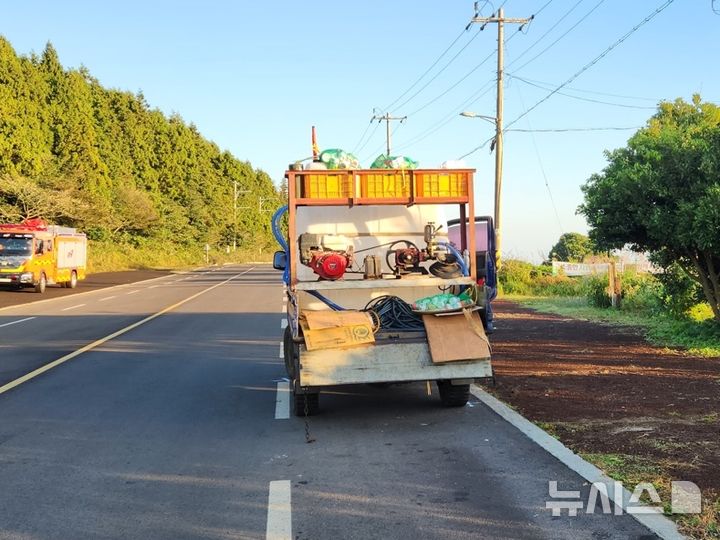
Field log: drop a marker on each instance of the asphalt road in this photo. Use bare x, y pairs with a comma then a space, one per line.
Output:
175, 429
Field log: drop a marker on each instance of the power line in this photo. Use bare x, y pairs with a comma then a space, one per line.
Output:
455, 85
413, 85
565, 130
408, 100
367, 128
447, 119
561, 36
540, 162
591, 100
595, 60
369, 137
583, 91
561, 19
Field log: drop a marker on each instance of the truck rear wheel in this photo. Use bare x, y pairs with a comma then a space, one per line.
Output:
73, 280
41, 284
290, 351
312, 400
453, 395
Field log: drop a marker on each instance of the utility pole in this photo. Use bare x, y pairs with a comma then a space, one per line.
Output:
236, 194
500, 20
388, 119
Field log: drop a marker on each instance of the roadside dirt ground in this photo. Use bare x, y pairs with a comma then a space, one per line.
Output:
604, 390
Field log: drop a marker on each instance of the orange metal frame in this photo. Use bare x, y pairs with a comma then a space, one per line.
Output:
465, 202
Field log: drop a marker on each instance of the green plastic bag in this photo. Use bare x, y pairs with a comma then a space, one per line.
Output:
335, 158
393, 162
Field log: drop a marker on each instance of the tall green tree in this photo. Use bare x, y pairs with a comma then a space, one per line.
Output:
79, 154
571, 247
661, 193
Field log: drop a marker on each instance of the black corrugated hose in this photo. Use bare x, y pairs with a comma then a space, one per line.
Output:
394, 314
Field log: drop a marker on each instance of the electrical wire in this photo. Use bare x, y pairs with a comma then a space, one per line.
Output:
413, 85
595, 60
581, 90
369, 137
362, 137
542, 167
579, 98
434, 77
582, 70
566, 130
567, 14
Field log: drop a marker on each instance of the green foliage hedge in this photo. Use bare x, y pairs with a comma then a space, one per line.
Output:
671, 292
78, 154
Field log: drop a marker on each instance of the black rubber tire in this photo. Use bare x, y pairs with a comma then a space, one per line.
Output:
313, 404
453, 395
73, 280
41, 284
290, 352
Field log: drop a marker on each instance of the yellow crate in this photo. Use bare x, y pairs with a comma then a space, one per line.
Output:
385, 185
326, 186
441, 183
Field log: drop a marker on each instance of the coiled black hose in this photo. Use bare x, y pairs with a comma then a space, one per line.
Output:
394, 314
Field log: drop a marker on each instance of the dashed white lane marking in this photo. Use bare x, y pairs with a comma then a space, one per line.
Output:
107, 298
283, 324
282, 401
282, 350
153, 286
72, 307
97, 343
133, 292
279, 517
17, 322
284, 308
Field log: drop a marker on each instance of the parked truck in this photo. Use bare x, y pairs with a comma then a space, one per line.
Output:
35, 255
365, 253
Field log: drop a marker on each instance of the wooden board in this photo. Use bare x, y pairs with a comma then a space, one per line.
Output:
456, 338
394, 362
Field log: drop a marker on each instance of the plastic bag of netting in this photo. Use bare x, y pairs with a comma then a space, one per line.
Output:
335, 158
393, 162
442, 302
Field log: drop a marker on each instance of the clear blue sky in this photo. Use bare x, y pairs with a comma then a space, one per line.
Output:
255, 76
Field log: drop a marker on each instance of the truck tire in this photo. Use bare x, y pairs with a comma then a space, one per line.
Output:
453, 395
41, 284
73, 280
290, 351
313, 403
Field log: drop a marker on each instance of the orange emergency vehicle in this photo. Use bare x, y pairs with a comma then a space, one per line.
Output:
34, 254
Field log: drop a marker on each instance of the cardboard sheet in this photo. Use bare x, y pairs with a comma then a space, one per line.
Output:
456, 338
336, 329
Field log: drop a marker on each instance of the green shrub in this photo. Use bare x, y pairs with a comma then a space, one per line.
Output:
595, 289
641, 293
515, 277
545, 285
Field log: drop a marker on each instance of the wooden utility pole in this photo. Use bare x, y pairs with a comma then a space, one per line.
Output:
500, 20
388, 119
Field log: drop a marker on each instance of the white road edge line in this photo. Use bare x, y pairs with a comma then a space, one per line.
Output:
73, 307
17, 322
97, 343
282, 401
657, 523
279, 516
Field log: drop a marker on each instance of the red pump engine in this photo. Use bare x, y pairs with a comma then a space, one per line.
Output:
328, 255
